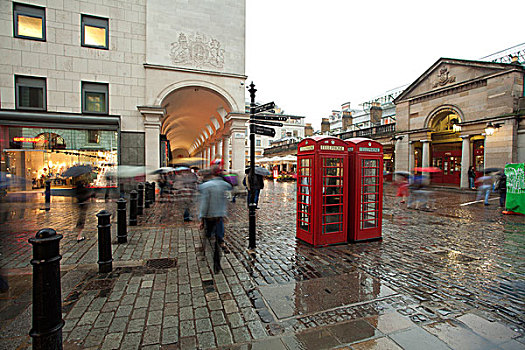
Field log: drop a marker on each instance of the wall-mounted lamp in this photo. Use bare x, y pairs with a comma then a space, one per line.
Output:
491, 128
396, 138
455, 125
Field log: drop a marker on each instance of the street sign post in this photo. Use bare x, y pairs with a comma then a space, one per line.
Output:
263, 108
263, 130
264, 122
269, 117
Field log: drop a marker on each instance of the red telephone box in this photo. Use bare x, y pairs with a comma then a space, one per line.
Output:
322, 186
366, 189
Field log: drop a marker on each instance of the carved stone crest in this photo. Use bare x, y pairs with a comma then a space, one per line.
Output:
444, 78
197, 50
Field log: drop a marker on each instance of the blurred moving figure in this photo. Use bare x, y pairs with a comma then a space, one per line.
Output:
83, 195
502, 189
484, 188
212, 204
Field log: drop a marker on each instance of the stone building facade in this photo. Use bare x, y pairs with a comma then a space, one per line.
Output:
164, 67
442, 119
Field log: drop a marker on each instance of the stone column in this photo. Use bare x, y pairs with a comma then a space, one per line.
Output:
226, 152
152, 120
238, 150
402, 154
411, 156
218, 149
212, 153
426, 153
465, 161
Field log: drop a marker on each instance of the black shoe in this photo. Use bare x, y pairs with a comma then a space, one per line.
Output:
486, 204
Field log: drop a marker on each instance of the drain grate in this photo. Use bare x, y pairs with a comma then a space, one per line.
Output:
100, 284
165, 263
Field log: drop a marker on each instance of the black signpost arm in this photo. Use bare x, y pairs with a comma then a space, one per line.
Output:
251, 202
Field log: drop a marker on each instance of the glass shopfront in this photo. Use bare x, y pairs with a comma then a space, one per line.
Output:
33, 155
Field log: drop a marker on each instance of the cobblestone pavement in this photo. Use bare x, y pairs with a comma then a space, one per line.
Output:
449, 278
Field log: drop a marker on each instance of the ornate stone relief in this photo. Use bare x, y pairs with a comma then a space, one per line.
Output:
198, 50
443, 78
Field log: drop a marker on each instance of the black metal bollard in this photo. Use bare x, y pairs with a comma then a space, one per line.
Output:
105, 261
48, 194
133, 208
47, 298
153, 192
122, 229
122, 194
147, 201
140, 203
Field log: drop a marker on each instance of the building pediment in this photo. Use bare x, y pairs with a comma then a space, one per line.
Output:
447, 73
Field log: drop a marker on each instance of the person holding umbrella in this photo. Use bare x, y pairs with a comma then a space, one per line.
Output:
257, 186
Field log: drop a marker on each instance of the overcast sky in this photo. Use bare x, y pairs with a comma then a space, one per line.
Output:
312, 56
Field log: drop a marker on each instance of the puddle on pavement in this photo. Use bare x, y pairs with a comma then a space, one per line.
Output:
320, 294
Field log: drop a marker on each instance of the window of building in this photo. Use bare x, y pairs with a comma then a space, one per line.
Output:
30, 93
95, 32
95, 98
93, 136
29, 22
258, 143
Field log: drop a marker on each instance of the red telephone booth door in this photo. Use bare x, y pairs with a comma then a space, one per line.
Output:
304, 198
365, 219
333, 208
370, 208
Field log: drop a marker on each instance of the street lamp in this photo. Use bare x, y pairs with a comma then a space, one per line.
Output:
491, 128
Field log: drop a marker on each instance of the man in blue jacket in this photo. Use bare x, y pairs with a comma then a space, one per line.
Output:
212, 203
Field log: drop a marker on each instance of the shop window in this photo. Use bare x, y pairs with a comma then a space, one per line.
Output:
95, 98
30, 93
95, 32
93, 136
29, 22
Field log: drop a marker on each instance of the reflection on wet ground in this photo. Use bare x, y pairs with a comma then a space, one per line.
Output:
431, 267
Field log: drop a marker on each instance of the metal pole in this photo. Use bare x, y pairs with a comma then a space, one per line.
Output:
133, 208
251, 203
48, 194
122, 230
140, 205
105, 260
47, 296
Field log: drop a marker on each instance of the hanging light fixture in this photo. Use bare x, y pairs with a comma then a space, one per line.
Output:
491, 128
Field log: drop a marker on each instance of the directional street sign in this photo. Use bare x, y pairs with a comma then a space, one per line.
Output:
262, 130
269, 117
264, 107
263, 122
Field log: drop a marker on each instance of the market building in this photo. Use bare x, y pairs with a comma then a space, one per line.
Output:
120, 82
460, 113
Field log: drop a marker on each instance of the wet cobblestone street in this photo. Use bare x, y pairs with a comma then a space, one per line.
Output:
446, 278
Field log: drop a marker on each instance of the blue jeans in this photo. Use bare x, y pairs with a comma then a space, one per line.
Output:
256, 199
471, 182
215, 227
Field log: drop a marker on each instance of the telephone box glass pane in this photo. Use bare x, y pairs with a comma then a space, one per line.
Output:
305, 190
332, 181
370, 193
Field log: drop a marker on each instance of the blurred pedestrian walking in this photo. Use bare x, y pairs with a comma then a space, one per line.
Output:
484, 188
502, 189
255, 188
212, 203
402, 188
82, 194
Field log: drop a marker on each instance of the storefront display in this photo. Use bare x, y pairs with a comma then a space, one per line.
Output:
38, 154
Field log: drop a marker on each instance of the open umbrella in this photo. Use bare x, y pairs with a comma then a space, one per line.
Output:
77, 170
126, 171
180, 168
259, 171
429, 169
492, 170
402, 173
163, 170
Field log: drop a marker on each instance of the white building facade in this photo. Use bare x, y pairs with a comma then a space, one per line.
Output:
155, 73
